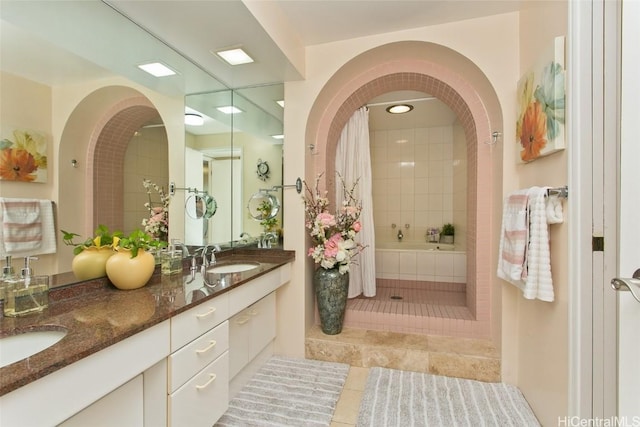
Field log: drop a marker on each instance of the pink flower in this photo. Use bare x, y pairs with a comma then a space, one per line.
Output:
326, 219
332, 246
356, 226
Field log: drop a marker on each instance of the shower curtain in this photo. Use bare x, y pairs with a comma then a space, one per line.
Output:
353, 162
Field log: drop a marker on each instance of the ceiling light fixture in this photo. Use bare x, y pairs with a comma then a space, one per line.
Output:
277, 136
192, 119
157, 69
280, 103
229, 109
235, 56
399, 108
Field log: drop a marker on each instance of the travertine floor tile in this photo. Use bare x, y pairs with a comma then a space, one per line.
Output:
348, 407
357, 378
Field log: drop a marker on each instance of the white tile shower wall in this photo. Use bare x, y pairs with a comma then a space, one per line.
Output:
429, 266
416, 181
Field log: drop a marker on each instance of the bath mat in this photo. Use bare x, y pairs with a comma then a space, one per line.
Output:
402, 398
288, 392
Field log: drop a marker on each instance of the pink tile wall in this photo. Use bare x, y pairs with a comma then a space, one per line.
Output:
465, 102
106, 160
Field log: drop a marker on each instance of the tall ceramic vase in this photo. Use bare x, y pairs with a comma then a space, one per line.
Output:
332, 289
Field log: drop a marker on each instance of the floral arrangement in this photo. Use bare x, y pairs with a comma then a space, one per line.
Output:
333, 235
157, 225
138, 240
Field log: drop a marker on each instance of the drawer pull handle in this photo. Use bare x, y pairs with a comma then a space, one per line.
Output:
212, 344
205, 385
242, 320
211, 311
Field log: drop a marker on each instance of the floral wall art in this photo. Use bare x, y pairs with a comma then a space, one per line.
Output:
23, 157
541, 102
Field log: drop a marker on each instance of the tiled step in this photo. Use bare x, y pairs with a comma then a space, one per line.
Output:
439, 355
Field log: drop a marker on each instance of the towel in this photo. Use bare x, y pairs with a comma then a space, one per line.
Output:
539, 283
554, 210
27, 227
514, 238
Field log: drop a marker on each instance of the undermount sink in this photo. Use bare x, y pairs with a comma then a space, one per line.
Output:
20, 346
237, 267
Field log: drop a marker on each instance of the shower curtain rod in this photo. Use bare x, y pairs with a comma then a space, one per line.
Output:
377, 104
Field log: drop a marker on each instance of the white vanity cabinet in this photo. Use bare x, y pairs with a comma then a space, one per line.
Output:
198, 367
250, 331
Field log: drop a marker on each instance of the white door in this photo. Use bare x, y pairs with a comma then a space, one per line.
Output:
629, 259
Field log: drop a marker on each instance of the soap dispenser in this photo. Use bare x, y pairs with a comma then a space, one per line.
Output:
8, 274
171, 260
28, 293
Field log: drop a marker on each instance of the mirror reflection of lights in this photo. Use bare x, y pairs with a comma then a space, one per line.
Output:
401, 141
407, 164
193, 119
399, 108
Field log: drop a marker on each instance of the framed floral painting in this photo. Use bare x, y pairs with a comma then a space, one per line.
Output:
23, 157
540, 127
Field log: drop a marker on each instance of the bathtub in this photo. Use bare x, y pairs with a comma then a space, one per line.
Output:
420, 262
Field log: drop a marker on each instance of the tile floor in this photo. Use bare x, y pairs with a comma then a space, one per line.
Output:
346, 413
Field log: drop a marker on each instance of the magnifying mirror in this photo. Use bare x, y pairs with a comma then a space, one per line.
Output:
263, 206
200, 206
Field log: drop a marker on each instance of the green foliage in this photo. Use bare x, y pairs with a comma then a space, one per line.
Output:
448, 230
268, 224
102, 237
137, 240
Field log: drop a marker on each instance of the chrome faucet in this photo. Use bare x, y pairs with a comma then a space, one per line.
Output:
400, 235
211, 261
265, 242
178, 244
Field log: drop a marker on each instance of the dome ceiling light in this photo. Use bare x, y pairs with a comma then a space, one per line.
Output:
192, 119
399, 108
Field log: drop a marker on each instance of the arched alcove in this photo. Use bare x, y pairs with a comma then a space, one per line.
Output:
457, 82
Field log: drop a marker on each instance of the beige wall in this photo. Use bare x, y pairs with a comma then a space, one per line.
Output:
535, 333
26, 105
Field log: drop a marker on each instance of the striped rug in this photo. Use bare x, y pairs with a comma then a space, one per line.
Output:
406, 399
288, 392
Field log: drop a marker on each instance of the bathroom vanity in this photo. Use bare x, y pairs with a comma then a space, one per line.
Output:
165, 354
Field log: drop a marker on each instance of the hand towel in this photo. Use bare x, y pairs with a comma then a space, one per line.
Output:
514, 238
538, 282
554, 210
26, 227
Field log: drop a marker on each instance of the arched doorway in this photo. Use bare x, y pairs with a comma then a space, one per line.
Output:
457, 82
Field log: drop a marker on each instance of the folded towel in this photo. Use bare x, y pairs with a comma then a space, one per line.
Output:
538, 283
514, 238
554, 210
27, 227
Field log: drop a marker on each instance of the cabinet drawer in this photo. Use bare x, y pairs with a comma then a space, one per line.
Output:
187, 326
190, 359
202, 400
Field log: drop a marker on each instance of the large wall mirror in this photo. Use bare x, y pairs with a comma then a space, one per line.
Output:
235, 153
89, 45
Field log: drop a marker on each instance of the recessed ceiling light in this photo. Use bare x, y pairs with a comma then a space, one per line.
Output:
280, 103
399, 108
193, 119
277, 136
229, 109
235, 56
157, 69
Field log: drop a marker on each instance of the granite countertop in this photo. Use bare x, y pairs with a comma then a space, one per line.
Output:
97, 315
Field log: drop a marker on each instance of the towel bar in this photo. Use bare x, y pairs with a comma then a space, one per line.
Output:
562, 192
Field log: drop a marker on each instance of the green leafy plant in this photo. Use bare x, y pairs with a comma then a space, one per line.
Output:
448, 230
268, 223
137, 240
102, 237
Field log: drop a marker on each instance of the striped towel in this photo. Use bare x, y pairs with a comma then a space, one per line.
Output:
514, 238
27, 227
21, 225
